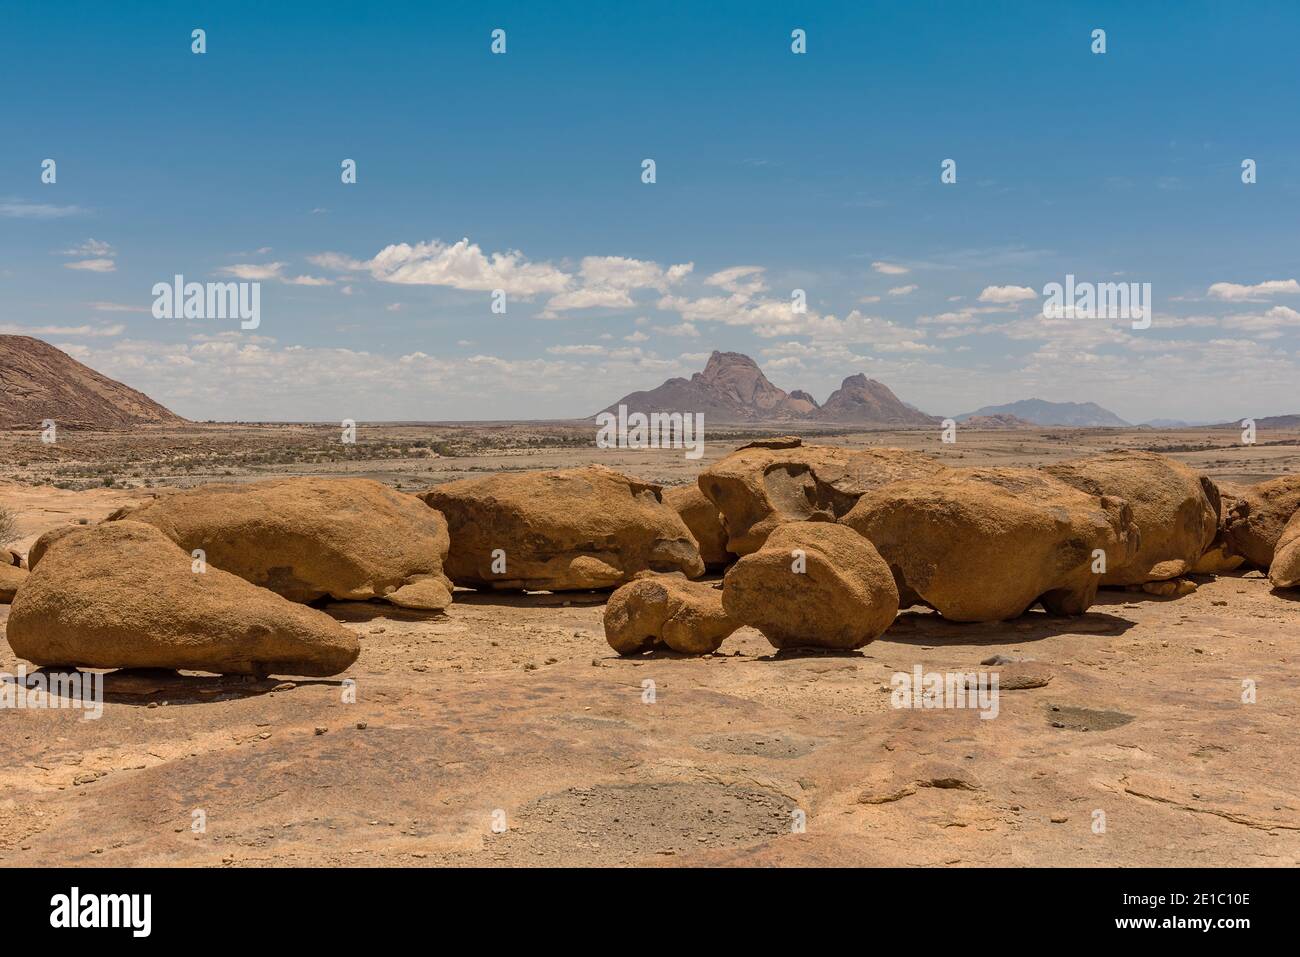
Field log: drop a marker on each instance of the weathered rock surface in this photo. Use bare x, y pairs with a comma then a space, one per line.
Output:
813, 584
987, 544
308, 538
705, 522
1168, 588
1175, 508
11, 577
1285, 570
1219, 558
573, 529
39, 546
1256, 520
769, 483
123, 595
653, 610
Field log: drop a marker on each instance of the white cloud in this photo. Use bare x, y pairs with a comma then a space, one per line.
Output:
337, 262
268, 272
890, 269
1007, 294
903, 290
609, 281
463, 265
683, 329
1232, 292
254, 272
740, 280
91, 247
93, 265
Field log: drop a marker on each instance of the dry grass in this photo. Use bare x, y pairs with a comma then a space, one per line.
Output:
8, 525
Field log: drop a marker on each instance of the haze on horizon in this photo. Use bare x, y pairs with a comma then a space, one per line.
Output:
775, 172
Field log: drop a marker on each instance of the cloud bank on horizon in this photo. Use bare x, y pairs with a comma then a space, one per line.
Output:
608, 200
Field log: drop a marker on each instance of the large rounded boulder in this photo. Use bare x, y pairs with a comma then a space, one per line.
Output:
307, 538
11, 579
13, 572
812, 585
986, 544
1256, 520
774, 481
567, 530
1175, 508
1284, 572
705, 522
123, 595
666, 610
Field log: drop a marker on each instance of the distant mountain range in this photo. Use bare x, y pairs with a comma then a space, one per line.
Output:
733, 389
1042, 412
39, 382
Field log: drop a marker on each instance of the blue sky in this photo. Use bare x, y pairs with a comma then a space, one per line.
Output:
775, 171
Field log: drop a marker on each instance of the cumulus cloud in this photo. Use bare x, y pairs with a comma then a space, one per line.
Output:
740, 280
1007, 294
889, 269
610, 281
464, 265
1232, 292
903, 290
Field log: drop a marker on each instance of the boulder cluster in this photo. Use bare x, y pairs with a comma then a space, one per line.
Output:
817, 546
821, 546
221, 578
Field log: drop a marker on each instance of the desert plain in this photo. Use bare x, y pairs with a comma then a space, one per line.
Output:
506, 732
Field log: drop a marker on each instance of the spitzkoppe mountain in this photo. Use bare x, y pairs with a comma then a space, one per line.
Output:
1042, 412
39, 382
733, 389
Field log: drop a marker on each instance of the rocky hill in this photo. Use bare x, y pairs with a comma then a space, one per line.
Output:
997, 422
38, 382
1042, 412
859, 399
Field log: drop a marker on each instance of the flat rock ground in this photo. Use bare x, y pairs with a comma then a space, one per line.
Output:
507, 733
